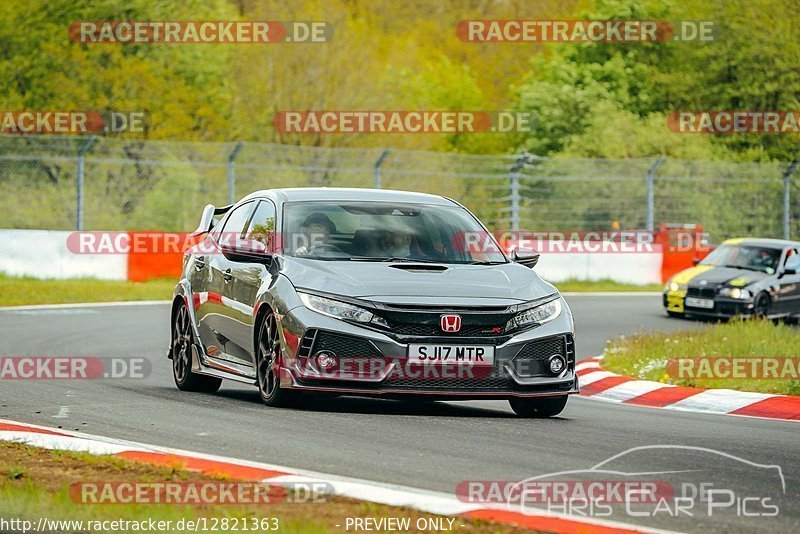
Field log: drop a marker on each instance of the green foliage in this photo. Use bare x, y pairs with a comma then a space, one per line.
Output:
645, 355
611, 99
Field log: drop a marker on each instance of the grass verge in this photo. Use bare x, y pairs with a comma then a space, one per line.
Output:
645, 356
34, 483
21, 291
573, 285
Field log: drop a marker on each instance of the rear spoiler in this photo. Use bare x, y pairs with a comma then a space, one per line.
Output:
207, 219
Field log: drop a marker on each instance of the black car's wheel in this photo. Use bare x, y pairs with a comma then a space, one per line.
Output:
677, 315
539, 407
182, 341
761, 306
267, 365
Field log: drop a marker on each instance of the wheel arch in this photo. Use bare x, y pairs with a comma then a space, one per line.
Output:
264, 308
177, 300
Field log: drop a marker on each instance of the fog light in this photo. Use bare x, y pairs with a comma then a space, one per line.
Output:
557, 364
325, 359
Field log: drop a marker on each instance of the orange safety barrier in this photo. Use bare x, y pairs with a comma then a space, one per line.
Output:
157, 254
682, 245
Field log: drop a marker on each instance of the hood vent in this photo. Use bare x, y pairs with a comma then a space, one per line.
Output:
420, 267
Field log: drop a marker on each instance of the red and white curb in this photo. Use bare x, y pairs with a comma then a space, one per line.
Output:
439, 503
597, 383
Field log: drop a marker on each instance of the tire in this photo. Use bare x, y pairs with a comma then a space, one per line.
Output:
676, 315
268, 352
761, 307
539, 407
182, 341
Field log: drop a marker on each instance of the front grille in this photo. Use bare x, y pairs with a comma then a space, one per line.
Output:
702, 292
532, 359
344, 346
443, 384
407, 329
542, 349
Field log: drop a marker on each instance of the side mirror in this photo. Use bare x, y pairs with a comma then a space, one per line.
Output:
695, 261
246, 251
528, 258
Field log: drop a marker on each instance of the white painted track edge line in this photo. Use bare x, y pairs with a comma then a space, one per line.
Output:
682, 410
411, 493
611, 293
84, 305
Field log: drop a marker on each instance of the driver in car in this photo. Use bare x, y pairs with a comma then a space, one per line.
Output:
396, 244
315, 234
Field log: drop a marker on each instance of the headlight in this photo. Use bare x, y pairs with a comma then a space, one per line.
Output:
675, 286
544, 313
735, 293
340, 310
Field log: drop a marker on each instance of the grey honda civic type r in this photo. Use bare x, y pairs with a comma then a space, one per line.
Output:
320, 291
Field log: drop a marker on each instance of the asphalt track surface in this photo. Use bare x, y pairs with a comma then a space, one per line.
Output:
428, 445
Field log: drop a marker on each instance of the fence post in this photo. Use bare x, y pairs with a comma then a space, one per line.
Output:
232, 173
378, 163
651, 172
787, 205
79, 181
513, 178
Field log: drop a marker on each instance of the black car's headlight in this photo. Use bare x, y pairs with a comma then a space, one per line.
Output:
538, 315
675, 286
735, 293
340, 310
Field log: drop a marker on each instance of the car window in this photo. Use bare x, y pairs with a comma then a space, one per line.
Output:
792, 259
747, 257
234, 224
262, 225
386, 231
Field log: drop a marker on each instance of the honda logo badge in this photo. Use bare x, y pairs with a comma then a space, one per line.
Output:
450, 323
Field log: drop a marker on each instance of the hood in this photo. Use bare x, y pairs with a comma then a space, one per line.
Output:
727, 276
508, 283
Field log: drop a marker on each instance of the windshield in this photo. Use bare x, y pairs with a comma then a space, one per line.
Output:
745, 257
381, 231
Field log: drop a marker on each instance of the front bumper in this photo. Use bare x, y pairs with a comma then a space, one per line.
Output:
674, 301
379, 363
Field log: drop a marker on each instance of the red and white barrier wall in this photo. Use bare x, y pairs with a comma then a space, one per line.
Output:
44, 254
52, 254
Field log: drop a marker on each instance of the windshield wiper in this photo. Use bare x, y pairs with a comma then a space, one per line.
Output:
324, 258
485, 262
393, 259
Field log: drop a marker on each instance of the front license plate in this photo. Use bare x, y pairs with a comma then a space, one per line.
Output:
476, 355
699, 303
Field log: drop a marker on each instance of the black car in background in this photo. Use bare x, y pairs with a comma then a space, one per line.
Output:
746, 277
